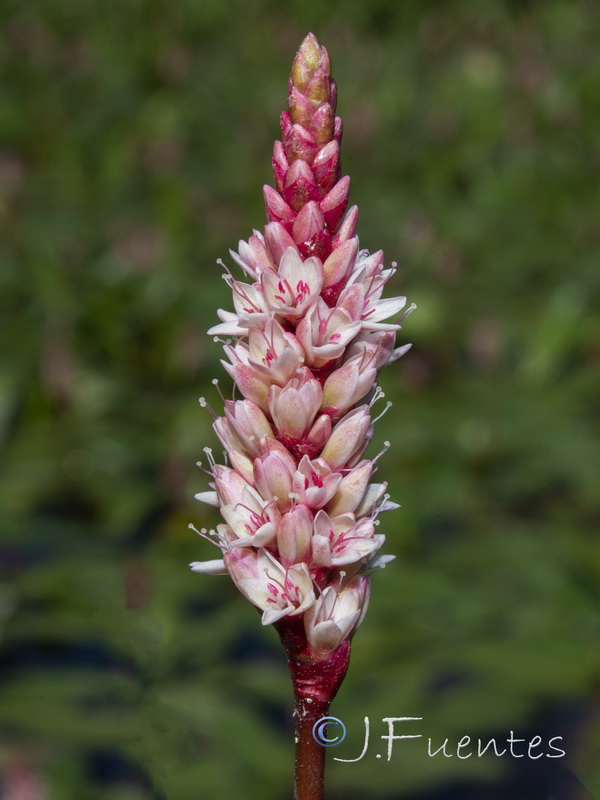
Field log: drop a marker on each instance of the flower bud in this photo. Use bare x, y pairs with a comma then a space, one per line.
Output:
340, 263
226, 436
320, 432
317, 88
294, 535
347, 437
230, 486
277, 241
362, 446
322, 125
299, 186
347, 385
309, 223
280, 164
326, 168
351, 490
277, 209
251, 383
295, 407
310, 56
301, 112
273, 474
310, 232
347, 228
248, 423
300, 144
334, 203
242, 464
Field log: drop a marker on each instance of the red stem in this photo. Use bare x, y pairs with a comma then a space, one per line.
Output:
316, 682
309, 770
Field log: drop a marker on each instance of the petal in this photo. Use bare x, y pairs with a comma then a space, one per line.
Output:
215, 567
210, 498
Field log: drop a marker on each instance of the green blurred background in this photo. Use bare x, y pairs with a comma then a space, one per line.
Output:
134, 140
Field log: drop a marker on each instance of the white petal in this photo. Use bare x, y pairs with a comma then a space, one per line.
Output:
386, 308
398, 353
216, 567
274, 613
388, 505
367, 325
325, 636
210, 498
227, 329
379, 562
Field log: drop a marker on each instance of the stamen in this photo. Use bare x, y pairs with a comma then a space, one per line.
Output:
276, 580
378, 394
211, 458
204, 404
211, 536
386, 447
215, 382
408, 311
388, 405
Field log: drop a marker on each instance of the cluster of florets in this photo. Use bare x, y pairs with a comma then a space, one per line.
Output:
305, 342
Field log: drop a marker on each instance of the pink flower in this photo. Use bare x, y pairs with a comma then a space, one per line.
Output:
315, 483
293, 287
325, 333
276, 590
336, 614
310, 330
342, 540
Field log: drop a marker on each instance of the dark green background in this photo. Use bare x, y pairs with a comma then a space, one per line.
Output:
134, 140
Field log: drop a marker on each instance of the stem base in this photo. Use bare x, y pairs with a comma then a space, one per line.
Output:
316, 683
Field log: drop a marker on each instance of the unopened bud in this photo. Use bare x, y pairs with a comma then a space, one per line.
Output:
294, 535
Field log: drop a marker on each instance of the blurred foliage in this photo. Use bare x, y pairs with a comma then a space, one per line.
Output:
134, 138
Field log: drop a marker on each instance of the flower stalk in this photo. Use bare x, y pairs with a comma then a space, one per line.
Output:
315, 683
304, 344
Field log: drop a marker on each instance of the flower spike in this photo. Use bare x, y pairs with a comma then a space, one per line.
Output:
309, 332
